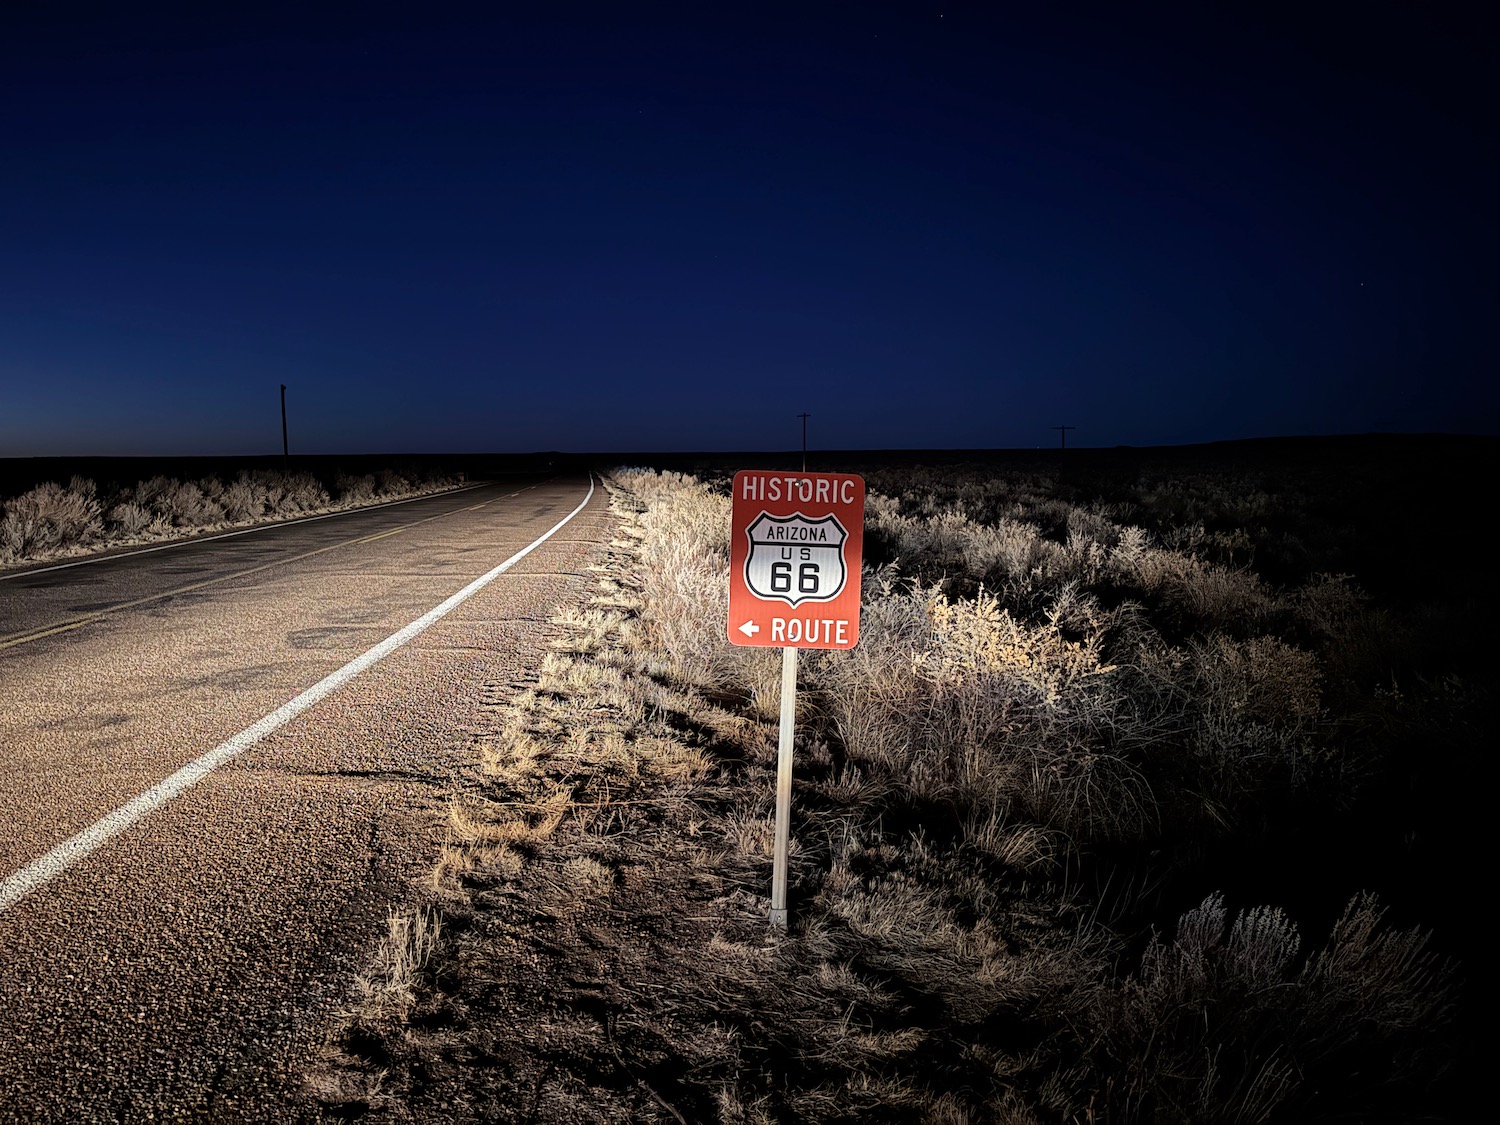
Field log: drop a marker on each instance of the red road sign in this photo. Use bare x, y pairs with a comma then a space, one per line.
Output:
796, 544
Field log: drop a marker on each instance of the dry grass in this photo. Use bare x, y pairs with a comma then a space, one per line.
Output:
387, 989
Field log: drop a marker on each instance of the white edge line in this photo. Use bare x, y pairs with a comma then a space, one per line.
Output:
15, 887
242, 531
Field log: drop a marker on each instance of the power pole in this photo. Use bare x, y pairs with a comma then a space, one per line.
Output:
804, 418
285, 457
1065, 430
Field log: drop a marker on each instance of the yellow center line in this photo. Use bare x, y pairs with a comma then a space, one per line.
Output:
23, 637
378, 535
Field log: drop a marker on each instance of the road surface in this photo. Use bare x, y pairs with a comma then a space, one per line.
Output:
188, 966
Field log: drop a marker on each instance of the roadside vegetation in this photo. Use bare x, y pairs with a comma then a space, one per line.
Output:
53, 521
1060, 838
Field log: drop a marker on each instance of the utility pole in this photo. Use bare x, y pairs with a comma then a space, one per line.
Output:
1065, 430
804, 418
285, 457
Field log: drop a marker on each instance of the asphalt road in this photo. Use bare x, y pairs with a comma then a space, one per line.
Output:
190, 965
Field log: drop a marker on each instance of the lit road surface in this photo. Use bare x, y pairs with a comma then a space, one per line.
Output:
190, 962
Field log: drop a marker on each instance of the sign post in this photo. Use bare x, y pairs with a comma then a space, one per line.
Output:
784, 786
796, 546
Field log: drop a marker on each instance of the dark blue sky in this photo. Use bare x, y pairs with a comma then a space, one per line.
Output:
583, 228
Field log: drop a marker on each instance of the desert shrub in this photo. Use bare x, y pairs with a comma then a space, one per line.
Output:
146, 492
1261, 680
1091, 525
1214, 546
1227, 1023
1194, 594
51, 517
129, 518
919, 932
245, 499
950, 545
1187, 498
1223, 729
355, 489
964, 705
184, 505
1330, 605
1361, 645
1036, 546
301, 492
272, 489
389, 482
22, 534
84, 490
1256, 707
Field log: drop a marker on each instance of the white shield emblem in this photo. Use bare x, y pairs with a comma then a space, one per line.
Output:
795, 559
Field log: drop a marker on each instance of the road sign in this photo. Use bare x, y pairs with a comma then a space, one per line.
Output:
796, 541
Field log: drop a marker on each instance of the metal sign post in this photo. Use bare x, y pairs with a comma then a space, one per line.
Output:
784, 785
796, 547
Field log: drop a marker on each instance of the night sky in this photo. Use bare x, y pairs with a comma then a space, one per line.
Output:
627, 227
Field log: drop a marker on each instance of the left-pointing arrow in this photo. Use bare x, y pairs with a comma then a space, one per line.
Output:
749, 628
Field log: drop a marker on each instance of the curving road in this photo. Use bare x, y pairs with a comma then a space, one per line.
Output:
185, 962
